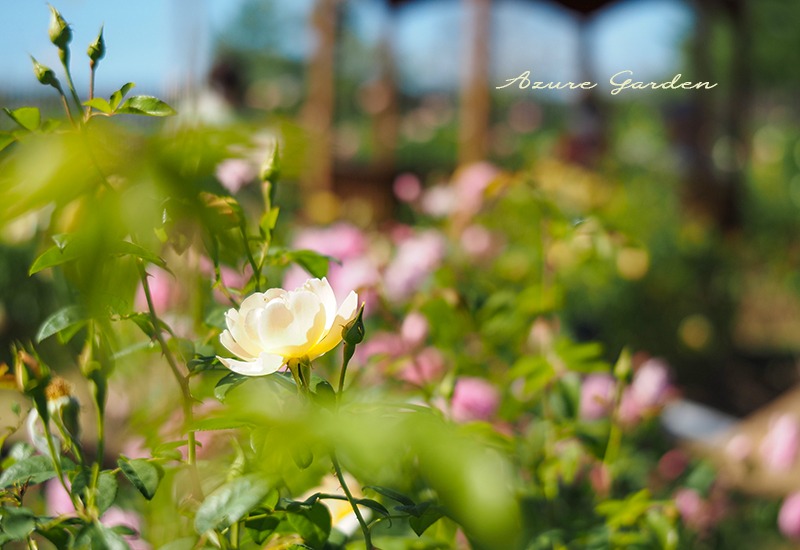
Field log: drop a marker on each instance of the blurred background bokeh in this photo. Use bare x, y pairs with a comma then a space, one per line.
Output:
368, 94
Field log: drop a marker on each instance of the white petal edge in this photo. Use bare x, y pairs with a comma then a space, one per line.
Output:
322, 288
232, 346
265, 364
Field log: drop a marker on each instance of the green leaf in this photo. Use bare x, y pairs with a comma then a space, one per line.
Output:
145, 105
230, 503
6, 139
224, 423
28, 117
99, 537
261, 529
313, 262
312, 524
429, 515
17, 523
106, 492
33, 470
60, 320
100, 104
67, 250
227, 383
392, 494
144, 475
117, 96
374, 505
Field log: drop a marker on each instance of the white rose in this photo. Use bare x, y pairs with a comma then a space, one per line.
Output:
275, 326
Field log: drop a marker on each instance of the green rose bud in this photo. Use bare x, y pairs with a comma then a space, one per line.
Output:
45, 74
353, 332
270, 170
60, 33
97, 49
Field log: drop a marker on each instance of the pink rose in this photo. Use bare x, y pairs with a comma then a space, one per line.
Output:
597, 396
779, 447
789, 517
474, 399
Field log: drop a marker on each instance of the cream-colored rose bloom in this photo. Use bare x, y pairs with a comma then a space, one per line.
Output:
275, 326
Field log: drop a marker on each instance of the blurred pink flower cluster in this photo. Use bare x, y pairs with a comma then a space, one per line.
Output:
647, 393
404, 355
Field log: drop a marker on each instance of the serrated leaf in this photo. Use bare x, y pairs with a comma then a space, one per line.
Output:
28, 117
145, 105
143, 474
35, 469
99, 103
17, 523
99, 537
105, 493
230, 503
117, 96
60, 320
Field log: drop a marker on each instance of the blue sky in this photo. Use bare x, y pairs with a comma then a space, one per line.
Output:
160, 43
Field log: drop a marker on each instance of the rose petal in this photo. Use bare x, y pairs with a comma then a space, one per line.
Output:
323, 290
230, 344
290, 327
235, 324
347, 312
265, 364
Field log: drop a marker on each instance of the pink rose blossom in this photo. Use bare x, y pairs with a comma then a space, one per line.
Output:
416, 258
414, 329
164, 291
476, 241
407, 187
672, 464
651, 383
57, 500
470, 183
234, 174
779, 447
474, 399
597, 396
425, 367
789, 517
691, 507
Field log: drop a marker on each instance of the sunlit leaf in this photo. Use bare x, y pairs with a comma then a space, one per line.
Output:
28, 117
62, 319
35, 469
100, 104
117, 96
145, 105
230, 503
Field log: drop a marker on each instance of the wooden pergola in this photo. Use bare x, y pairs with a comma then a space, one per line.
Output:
709, 192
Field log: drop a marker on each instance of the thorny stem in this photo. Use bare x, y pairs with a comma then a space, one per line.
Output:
340, 476
179, 377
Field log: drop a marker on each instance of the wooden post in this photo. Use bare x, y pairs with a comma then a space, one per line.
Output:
475, 99
317, 115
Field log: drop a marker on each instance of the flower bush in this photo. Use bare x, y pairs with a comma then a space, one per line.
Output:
185, 389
